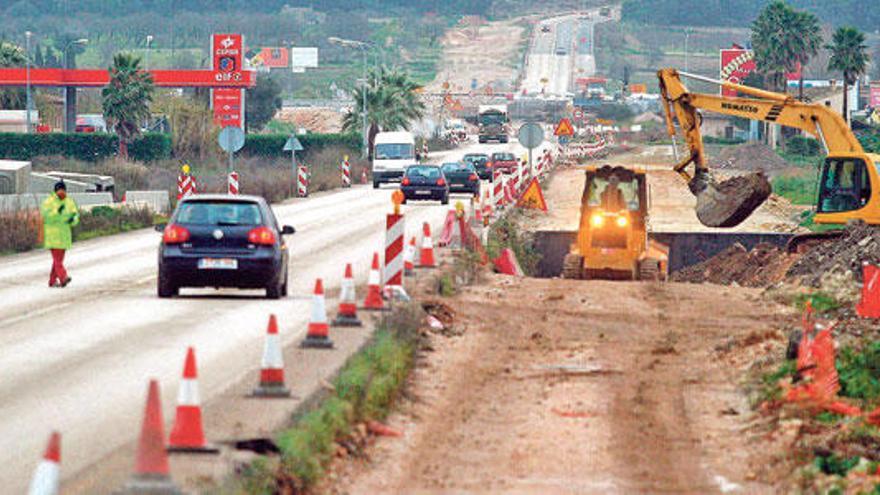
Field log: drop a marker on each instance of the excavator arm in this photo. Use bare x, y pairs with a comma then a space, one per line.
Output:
727, 204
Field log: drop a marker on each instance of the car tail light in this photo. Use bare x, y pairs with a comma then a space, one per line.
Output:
488, 164
261, 235
405, 181
473, 177
441, 182
175, 234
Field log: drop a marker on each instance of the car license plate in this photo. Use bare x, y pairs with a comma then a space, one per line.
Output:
457, 185
423, 192
218, 264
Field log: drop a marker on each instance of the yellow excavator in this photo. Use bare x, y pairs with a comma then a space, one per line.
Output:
849, 184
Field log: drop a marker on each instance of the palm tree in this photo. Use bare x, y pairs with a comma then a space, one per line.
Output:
808, 40
849, 55
392, 103
126, 100
773, 41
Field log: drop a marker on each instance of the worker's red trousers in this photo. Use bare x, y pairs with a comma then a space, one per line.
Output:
58, 273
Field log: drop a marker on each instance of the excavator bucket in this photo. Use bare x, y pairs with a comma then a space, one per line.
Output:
728, 203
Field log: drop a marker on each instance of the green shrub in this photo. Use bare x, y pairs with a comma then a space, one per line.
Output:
799, 189
721, 140
90, 147
150, 147
833, 464
802, 145
859, 372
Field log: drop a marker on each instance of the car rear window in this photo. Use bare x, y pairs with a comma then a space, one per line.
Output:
503, 156
221, 213
426, 172
457, 167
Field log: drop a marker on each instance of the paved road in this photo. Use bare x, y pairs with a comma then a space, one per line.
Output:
78, 359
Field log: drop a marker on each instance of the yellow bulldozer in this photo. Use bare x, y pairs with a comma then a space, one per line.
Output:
612, 240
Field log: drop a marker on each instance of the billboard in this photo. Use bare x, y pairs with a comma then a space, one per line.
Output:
272, 57
227, 52
874, 96
303, 58
737, 63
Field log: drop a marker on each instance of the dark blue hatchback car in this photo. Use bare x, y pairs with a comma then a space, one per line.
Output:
424, 182
223, 241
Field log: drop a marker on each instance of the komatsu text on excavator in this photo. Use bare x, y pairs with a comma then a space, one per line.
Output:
849, 186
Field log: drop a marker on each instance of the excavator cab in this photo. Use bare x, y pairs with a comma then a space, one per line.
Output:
612, 239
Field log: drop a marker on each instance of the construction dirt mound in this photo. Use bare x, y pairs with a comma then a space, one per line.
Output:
763, 266
766, 265
841, 256
749, 156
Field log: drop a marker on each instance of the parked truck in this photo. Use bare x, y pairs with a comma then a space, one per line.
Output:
493, 122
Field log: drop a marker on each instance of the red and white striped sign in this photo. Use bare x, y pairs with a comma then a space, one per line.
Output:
232, 182
346, 173
394, 230
186, 185
302, 181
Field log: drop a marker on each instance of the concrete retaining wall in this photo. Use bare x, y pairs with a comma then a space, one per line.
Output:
14, 202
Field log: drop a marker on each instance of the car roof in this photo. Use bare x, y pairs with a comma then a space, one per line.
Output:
241, 198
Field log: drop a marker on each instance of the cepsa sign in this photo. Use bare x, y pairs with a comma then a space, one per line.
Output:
736, 64
228, 106
228, 51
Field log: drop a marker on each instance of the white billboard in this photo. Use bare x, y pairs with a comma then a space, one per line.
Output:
303, 58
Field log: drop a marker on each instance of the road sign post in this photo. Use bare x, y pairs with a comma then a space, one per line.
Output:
293, 145
530, 136
231, 139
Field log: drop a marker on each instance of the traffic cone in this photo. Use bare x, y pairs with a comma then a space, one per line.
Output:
272, 365
426, 258
409, 254
187, 434
151, 472
47, 474
347, 314
318, 335
373, 301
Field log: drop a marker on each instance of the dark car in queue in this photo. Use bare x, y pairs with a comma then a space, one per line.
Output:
223, 241
424, 182
462, 178
504, 161
481, 162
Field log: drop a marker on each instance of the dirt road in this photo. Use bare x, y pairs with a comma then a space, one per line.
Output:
671, 204
579, 387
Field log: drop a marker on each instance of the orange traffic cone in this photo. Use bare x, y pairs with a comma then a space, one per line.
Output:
47, 474
426, 258
318, 335
187, 434
347, 314
373, 301
272, 365
409, 255
151, 472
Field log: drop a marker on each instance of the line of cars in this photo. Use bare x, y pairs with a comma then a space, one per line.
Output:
436, 182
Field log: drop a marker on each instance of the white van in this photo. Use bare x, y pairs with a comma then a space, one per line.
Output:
392, 153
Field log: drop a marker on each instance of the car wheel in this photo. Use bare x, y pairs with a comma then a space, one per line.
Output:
273, 291
403, 202
445, 200
165, 287
284, 285
375, 185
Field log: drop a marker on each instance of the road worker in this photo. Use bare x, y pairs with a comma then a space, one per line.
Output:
59, 216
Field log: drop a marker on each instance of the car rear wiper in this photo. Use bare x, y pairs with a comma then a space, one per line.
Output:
228, 224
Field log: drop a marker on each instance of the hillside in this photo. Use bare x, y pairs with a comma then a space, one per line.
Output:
739, 13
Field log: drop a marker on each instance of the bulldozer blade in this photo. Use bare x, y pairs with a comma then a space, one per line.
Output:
728, 203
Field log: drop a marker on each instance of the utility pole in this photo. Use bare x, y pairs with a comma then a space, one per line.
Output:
147, 55
70, 91
362, 46
27, 42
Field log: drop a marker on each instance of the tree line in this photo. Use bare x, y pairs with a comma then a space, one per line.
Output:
737, 13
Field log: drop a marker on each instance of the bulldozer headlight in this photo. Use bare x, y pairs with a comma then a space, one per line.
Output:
597, 220
622, 221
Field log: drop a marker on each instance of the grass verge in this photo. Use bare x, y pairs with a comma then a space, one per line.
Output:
365, 389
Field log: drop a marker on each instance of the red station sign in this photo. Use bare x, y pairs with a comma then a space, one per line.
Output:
227, 52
